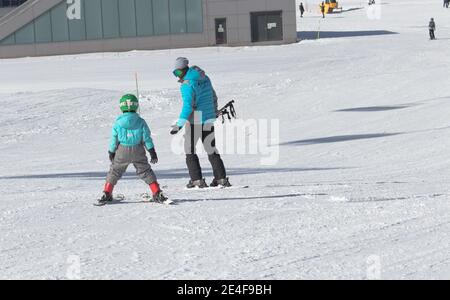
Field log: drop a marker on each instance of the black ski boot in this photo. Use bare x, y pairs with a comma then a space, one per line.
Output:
106, 198
223, 183
201, 184
159, 197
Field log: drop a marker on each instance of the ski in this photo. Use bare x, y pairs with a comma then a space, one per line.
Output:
149, 198
117, 199
234, 187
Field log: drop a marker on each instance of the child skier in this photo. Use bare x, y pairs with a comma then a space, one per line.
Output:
131, 136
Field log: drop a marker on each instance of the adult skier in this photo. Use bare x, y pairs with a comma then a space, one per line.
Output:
432, 27
198, 115
322, 9
130, 138
302, 10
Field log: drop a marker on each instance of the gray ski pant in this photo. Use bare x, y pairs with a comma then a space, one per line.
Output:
131, 155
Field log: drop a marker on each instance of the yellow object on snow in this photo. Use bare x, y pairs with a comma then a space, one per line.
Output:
330, 6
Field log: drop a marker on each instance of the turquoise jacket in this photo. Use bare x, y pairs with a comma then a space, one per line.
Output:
199, 96
130, 130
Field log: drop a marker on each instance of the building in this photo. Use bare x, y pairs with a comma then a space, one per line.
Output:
55, 27
8, 5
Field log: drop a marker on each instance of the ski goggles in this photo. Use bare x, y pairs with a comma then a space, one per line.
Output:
178, 73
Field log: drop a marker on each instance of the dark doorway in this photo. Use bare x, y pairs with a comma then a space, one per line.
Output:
267, 26
221, 31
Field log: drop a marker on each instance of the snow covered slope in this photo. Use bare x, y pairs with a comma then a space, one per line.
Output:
361, 189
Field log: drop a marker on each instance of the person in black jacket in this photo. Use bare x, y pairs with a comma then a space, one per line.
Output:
302, 10
432, 27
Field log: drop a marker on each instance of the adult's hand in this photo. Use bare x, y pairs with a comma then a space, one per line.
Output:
175, 129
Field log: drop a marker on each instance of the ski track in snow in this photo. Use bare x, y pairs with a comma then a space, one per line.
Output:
363, 170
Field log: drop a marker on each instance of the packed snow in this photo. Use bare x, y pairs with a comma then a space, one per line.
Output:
361, 188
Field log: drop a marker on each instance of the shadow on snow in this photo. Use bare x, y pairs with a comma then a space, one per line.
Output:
167, 174
181, 201
312, 35
373, 108
338, 139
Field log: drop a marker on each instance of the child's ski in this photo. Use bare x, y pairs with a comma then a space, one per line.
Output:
117, 199
149, 198
234, 187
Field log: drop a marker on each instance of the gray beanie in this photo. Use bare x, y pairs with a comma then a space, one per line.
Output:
181, 63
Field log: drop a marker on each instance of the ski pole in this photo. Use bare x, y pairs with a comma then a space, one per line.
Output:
137, 84
137, 89
318, 32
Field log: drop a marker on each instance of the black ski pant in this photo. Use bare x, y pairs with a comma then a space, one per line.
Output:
432, 36
195, 132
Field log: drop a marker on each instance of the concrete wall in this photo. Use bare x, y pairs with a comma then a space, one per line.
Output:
5, 10
237, 13
23, 15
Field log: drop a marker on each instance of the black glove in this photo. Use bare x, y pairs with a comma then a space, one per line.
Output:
153, 156
175, 129
111, 156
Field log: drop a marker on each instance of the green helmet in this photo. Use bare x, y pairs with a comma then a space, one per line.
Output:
129, 103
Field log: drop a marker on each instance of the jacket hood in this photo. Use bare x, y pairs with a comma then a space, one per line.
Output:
129, 121
195, 74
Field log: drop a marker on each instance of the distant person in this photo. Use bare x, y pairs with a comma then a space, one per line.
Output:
432, 27
302, 10
322, 9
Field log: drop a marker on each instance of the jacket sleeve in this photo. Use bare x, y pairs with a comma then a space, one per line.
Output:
114, 140
188, 95
147, 137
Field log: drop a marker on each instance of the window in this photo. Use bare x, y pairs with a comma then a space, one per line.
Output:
110, 16
60, 28
178, 16
10, 40
161, 16
11, 3
127, 18
144, 17
43, 28
25, 35
110, 19
194, 16
77, 28
267, 26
